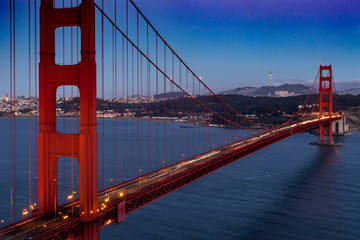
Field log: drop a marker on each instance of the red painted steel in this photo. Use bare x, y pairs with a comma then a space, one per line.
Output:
53, 144
120, 212
325, 103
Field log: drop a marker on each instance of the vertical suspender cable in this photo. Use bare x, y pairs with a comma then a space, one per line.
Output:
116, 110
148, 104
215, 121
11, 122
14, 108
113, 97
132, 106
157, 108
102, 93
123, 104
138, 96
127, 90
199, 119
179, 131
193, 114
141, 122
72, 118
188, 114
173, 111
29, 101
63, 103
36, 100
179, 109
204, 120
165, 123
77, 61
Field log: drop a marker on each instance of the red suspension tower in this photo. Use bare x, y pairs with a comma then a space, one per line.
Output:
326, 105
52, 144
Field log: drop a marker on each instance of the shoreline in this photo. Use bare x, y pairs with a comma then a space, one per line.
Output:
159, 120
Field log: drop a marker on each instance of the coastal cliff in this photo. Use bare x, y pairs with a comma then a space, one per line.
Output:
353, 118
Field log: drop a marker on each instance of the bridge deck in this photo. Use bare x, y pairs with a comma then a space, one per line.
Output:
140, 191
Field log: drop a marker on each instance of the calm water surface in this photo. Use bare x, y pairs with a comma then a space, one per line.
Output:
290, 190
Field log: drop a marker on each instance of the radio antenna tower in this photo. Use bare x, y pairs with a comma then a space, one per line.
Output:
270, 78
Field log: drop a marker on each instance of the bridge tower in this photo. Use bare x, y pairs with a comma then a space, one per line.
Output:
53, 144
325, 105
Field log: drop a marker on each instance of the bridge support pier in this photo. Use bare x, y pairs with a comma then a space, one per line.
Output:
325, 106
90, 230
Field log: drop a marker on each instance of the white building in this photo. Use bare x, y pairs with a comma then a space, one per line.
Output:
340, 127
6, 98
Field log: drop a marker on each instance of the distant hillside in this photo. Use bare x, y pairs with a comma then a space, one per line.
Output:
170, 95
245, 91
284, 90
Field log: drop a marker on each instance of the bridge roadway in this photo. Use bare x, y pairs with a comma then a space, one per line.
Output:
140, 191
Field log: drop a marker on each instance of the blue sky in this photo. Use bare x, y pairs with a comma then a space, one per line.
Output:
235, 43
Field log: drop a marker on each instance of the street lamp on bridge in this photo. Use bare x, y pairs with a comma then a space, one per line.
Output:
110, 180
70, 197
24, 213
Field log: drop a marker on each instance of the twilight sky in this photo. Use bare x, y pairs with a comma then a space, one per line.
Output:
232, 43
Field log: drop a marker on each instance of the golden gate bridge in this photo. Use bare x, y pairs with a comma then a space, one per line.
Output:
115, 41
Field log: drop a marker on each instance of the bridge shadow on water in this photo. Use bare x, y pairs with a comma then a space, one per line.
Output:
308, 207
